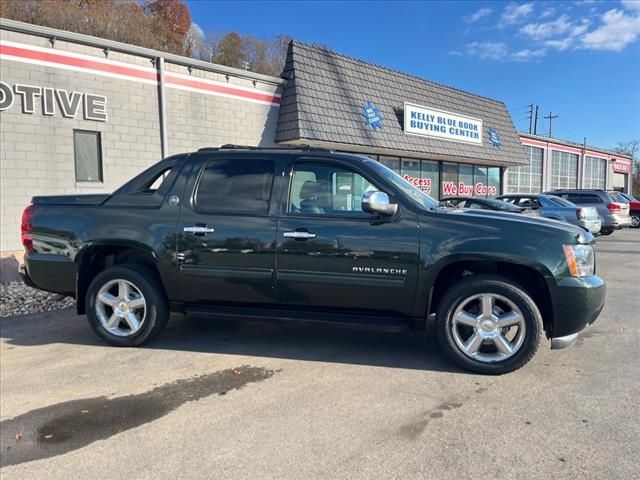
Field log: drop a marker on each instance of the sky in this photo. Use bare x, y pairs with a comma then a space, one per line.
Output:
577, 59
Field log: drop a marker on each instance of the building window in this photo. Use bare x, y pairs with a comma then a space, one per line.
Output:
449, 179
88, 156
594, 172
392, 162
430, 176
493, 181
527, 178
564, 170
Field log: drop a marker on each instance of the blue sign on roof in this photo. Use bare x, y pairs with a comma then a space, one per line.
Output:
494, 137
372, 115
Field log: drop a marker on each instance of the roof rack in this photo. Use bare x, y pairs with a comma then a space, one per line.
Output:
231, 146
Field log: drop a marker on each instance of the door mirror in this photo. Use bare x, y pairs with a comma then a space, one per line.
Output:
378, 203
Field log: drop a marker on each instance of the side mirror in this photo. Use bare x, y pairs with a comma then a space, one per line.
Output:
378, 203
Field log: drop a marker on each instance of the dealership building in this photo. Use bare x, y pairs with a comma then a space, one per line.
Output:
80, 114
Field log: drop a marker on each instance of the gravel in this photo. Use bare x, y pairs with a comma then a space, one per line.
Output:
16, 298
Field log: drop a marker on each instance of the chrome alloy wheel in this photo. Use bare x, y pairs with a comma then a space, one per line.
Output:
488, 327
635, 221
121, 307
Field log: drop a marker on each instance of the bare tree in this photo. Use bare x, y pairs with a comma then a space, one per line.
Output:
632, 148
159, 24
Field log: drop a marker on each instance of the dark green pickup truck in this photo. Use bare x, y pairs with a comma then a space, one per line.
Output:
312, 235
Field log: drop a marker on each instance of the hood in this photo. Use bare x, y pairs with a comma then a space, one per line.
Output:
512, 220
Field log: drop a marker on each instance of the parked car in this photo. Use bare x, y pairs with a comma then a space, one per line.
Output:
634, 207
549, 206
316, 236
613, 213
480, 203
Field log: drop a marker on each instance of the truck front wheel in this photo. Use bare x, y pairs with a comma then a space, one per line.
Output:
488, 325
126, 305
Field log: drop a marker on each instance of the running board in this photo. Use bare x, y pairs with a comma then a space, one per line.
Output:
348, 321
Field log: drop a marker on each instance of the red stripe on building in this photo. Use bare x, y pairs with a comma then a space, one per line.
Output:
76, 62
265, 97
551, 145
132, 72
532, 143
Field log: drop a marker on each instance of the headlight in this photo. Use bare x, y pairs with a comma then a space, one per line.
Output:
580, 260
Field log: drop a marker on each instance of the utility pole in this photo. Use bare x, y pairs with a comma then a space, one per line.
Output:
550, 117
535, 124
530, 117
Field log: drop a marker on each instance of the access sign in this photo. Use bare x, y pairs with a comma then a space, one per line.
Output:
429, 122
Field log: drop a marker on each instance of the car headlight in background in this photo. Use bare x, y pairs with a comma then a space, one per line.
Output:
580, 260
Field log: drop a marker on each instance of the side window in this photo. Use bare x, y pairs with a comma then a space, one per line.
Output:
235, 186
324, 189
156, 182
475, 206
528, 203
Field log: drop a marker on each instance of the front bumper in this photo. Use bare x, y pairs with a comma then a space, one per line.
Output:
577, 302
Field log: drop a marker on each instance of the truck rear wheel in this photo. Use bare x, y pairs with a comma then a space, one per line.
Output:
126, 305
488, 325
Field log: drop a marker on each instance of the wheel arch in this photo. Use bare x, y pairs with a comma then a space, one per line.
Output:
96, 256
530, 277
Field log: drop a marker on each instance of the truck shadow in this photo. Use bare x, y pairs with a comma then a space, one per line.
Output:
272, 339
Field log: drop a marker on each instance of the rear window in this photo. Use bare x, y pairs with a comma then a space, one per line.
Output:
560, 201
583, 198
235, 186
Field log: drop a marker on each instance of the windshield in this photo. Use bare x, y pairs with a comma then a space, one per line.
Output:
418, 196
616, 197
500, 205
621, 197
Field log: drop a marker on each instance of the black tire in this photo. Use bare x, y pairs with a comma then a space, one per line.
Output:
495, 285
606, 232
156, 309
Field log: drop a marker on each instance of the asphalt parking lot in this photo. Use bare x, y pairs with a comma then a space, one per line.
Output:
267, 400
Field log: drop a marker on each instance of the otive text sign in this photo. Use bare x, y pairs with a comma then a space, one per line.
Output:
429, 122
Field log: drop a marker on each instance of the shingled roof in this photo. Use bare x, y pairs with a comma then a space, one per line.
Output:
325, 92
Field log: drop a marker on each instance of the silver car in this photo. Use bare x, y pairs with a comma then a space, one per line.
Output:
613, 213
548, 206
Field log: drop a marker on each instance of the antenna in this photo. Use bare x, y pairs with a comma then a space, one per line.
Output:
550, 117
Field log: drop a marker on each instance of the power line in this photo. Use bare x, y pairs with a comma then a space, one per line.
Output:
530, 116
550, 117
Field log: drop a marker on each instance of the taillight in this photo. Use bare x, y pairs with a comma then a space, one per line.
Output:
614, 207
580, 214
26, 229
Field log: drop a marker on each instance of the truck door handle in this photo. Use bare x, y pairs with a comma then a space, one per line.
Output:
299, 235
199, 229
